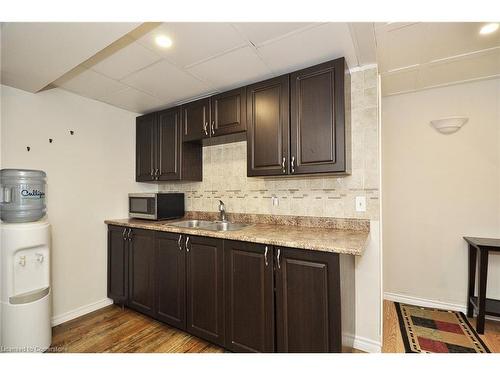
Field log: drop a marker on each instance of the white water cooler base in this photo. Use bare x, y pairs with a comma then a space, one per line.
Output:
28, 328
25, 287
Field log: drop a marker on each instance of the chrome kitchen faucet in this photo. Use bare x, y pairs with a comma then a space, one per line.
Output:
222, 211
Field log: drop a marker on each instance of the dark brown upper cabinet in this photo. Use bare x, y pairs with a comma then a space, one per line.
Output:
249, 297
268, 127
308, 305
228, 112
171, 279
141, 271
204, 287
196, 120
160, 153
300, 123
169, 145
145, 147
320, 119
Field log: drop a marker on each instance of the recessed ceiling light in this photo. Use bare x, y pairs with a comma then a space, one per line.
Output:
163, 41
488, 28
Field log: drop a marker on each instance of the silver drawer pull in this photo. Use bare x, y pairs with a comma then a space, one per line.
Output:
187, 244
278, 258
283, 164
179, 242
205, 128
293, 164
265, 256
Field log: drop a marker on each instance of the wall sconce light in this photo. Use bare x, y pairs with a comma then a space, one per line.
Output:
449, 125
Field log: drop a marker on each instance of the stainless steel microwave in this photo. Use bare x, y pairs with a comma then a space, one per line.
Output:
156, 206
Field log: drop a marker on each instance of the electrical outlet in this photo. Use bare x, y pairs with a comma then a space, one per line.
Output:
275, 201
361, 204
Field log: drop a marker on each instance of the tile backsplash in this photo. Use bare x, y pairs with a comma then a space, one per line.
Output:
225, 165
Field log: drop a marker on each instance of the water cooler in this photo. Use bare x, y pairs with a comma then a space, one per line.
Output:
25, 292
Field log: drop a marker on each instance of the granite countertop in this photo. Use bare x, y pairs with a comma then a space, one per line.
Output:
343, 241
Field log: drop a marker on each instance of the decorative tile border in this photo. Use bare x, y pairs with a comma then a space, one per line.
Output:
302, 221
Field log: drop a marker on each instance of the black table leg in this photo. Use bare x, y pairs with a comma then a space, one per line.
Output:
483, 276
472, 280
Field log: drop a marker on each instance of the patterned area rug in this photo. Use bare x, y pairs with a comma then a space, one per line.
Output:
427, 330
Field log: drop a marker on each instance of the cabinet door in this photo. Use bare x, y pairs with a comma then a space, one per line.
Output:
145, 149
171, 279
268, 125
249, 299
196, 120
205, 303
169, 144
307, 301
117, 264
318, 126
228, 112
142, 271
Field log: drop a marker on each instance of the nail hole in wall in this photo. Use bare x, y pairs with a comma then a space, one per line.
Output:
71, 132
28, 148
50, 140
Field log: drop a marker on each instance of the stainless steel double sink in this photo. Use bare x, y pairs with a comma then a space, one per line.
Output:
218, 226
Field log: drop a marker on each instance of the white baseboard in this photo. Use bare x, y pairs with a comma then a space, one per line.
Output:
367, 345
424, 302
70, 315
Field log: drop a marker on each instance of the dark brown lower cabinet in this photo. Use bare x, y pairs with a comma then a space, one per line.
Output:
142, 271
204, 286
308, 301
171, 279
249, 296
244, 296
117, 264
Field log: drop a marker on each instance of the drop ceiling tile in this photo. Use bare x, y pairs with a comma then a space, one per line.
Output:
88, 83
194, 41
468, 68
448, 39
123, 59
133, 100
402, 47
401, 81
309, 47
166, 82
261, 32
232, 69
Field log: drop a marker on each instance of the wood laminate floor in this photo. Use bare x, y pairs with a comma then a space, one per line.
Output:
113, 329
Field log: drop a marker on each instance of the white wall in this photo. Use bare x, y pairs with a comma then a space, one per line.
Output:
89, 176
438, 188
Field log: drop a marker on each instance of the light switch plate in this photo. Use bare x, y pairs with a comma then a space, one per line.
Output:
361, 204
275, 201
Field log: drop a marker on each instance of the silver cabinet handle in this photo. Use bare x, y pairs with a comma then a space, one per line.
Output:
129, 234
278, 258
157, 174
152, 173
179, 242
187, 244
124, 235
265, 256
205, 128
213, 127
293, 164
283, 164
